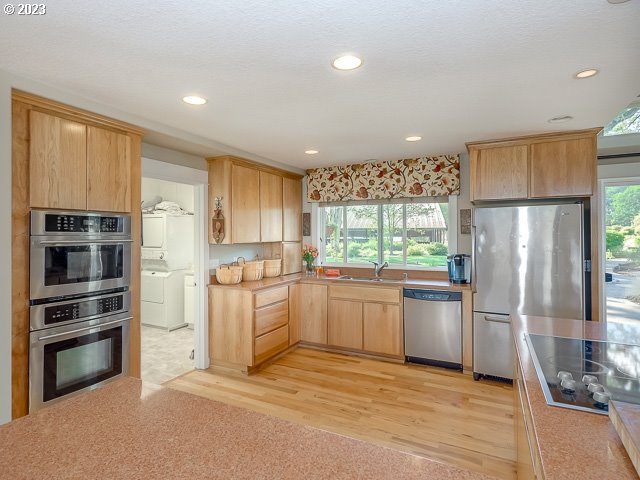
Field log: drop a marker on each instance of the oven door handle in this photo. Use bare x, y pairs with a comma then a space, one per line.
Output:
63, 334
82, 242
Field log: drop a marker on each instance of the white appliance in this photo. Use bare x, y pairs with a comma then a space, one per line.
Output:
167, 241
162, 295
189, 298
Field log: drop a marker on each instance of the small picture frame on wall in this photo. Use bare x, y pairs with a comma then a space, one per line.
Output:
465, 221
306, 224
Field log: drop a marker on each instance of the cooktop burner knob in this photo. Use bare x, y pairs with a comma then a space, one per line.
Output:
568, 384
602, 397
589, 379
595, 387
562, 375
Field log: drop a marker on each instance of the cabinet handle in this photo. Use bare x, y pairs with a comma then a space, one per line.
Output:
497, 319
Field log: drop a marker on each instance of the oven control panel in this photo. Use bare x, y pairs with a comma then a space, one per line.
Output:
82, 309
55, 223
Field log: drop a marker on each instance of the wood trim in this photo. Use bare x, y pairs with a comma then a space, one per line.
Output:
136, 235
20, 260
73, 113
528, 139
258, 166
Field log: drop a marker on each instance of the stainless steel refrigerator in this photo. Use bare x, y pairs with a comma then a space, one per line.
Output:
529, 260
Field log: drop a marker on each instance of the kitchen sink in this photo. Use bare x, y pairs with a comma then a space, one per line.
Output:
367, 279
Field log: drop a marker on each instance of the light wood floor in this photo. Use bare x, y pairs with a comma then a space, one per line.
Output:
431, 412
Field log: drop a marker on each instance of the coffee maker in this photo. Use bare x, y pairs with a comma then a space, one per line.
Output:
459, 266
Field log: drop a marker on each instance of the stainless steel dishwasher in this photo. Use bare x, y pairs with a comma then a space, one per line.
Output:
433, 327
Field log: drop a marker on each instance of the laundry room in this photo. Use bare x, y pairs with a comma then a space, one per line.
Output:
167, 286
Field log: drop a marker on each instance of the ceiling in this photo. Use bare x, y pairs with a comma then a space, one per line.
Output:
451, 71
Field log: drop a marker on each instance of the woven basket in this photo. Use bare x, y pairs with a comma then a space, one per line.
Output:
251, 271
272, 268
229, 274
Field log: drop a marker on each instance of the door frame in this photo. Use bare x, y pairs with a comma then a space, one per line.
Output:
603, 183
200, 180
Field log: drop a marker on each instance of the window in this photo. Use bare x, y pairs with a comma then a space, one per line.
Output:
402, 234
627, 121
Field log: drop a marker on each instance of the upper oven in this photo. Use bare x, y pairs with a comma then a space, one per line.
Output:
77, 253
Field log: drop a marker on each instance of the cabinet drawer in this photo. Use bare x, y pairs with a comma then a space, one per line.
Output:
365, 294
270, 296
271, 317
270, 344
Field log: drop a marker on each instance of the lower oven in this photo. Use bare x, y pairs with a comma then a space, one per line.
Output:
71, 358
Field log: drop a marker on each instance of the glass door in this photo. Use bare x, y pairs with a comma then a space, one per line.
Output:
622, 242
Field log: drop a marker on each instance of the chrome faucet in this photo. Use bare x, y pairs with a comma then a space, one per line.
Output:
377, 268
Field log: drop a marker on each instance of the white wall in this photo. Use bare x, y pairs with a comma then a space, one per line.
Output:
626, 168
464, 241
179, 193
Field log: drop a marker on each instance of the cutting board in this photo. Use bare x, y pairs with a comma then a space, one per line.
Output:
626, 420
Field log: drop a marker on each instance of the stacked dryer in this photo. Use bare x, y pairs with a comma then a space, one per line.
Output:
167, 255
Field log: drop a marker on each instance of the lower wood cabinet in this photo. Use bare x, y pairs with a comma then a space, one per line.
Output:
382, 328
344, 326
313, 313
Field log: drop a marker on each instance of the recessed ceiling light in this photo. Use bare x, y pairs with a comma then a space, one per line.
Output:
311, 152
560, 119
590, 72
617, 1
347, 62
194, 100
413, 138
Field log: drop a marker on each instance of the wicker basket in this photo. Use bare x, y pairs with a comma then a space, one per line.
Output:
229, 274
272, 268
251, 271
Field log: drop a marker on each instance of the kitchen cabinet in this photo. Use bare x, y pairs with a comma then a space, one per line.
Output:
271, 200
368, 319
245, 201
57, 162
552, 165
108, 170
292, 210
294, 313
345, 324
257, 201
247, 328
78, 167
291, 257
313, 313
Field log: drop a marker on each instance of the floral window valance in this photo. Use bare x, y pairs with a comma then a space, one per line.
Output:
414, 177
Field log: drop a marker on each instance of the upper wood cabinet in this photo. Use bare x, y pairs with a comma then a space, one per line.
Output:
108, 170
292, 210
57, 162
245, 201
270, 207
77, 166
543, 166
258, 202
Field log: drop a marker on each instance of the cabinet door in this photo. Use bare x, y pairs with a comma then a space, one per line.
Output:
564, 168
499, 173
108, 170
313, 313
344, 326
57, 162
294, 313
292, 210
291, 257
382, 329
245, 203
270, 207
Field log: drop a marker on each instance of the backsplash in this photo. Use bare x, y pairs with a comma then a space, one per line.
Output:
221, 254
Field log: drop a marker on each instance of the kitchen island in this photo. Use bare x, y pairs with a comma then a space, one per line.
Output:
133, 430
564, 443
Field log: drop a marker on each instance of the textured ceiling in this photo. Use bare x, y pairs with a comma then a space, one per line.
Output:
452, 71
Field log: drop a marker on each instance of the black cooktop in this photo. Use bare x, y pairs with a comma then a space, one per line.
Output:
616, 367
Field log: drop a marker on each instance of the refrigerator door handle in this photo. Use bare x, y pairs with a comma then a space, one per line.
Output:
473, 260
497, 319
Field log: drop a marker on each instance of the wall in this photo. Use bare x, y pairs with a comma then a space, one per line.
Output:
5, 248
174, 157
619, 168
179, 193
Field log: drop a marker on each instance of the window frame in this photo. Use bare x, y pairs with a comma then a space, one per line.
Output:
452, 233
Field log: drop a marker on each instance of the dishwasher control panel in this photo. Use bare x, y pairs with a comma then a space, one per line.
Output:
432, 295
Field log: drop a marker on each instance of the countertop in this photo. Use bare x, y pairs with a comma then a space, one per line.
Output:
129, 429
572, 444
300, 277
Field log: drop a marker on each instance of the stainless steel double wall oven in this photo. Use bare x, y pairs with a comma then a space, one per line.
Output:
80, 272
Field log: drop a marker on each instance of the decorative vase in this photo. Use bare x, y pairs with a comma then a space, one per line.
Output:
311, 271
